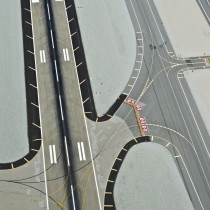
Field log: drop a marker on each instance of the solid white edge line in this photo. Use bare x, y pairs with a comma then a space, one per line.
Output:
51, 156
67, 153
61, 107
56, 70
48, 11
64, 54
91, 155
41, 59
79, 151
43, 154
67, 54
54, 154
52, 38
83, 151
72, 193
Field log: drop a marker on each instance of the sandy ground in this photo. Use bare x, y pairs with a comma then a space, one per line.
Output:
110, 48
153, 181
186, 27
198, 82
13, 116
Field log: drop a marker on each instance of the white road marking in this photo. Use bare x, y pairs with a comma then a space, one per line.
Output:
52, 38
67, 153
67, 54
51, 156
56, 70
72, 193
64, 54
48, 11
54, 154
83, 151
61, 107
79, 151
35, 1
42, 56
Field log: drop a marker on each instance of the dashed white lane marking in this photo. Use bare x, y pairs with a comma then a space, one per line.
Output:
48, 11
61, 107
51, 156
56, 70
52, 38
72, 193
67, 153
35, 1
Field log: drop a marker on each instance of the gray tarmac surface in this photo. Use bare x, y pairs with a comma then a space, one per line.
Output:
13, 123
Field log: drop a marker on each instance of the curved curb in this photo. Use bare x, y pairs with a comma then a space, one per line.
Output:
82, 71
33, 119
109, 203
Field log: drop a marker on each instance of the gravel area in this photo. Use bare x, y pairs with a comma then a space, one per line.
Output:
186, 26
110, 48
13, 115
149, 180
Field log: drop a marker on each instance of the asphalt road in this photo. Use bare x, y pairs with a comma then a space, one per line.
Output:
168, 105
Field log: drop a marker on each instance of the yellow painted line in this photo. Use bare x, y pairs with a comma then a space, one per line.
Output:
82, 81
28, 22
71, 19
68, 7
79, 64
31, 68
29, 37
35, 150
37, 139
27, 9
36, 125
34, 104
33, 85
135, 140
86, 100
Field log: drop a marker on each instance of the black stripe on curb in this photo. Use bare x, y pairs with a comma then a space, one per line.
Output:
33, 120
109, 203
82, 71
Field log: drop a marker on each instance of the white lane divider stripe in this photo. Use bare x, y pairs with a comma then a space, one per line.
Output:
41, 58
56, 70
67, 54
67, 153
61, 107
72, 193
83, 151
54, 154
79, 151
53, 158
64, 54
52, 38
